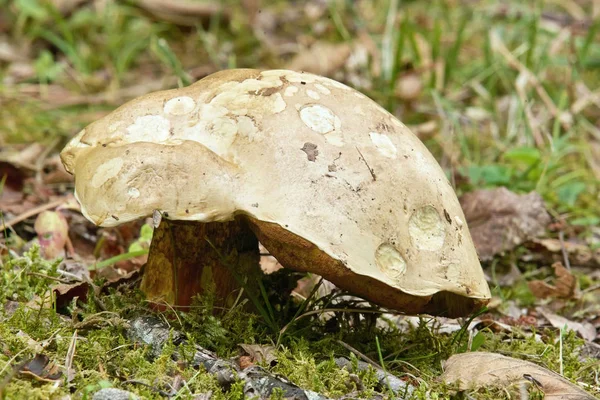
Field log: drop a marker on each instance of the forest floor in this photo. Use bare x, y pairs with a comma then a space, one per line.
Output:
504, 94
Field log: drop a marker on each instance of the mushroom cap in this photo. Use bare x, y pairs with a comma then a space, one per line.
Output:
307, 160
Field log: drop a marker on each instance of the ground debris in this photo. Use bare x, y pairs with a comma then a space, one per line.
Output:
258, 382
484, 370
386, 380
500, 220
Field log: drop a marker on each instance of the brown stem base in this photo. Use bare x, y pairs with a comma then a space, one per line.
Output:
182, 263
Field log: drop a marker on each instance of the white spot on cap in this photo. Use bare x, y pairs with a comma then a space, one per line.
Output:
459, 221
180, 105
390, 261
247, 128
133, 192
384, 144
427, 229
290, 91
149, 128
106, 171
322, 88
319, 118
312, 94
359, 95
278, 103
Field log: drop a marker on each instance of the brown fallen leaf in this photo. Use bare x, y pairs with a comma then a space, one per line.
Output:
585, 329
551, 250
260, 353
64, 293
322, 58
565, 285
482, 369
41, 369
500, 220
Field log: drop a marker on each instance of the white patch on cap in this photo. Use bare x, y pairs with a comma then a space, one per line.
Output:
359, 95
297, 77
290, 91
313, 95
390, 261
106, 171
149, 128
335, 84
179, 105
133, 192
278, 103
115, 126
322, 88
247, 128
384, 144
426, 229
318, 118
217, 135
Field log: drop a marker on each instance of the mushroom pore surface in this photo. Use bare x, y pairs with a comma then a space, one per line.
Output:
326, 178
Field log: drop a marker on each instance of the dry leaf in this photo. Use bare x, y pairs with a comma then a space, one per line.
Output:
550, 250
500, 220
41, 369
481, 369
585, 329
322, 58
65, 293
260, 353
565, 285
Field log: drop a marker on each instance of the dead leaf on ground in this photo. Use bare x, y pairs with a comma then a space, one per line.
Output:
565, 285
500, 220
64, 293
260, 353
321, 58
585, 329
268, 263
551, 250
481, 369
40, 368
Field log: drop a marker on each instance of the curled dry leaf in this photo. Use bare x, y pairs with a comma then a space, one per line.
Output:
501, 220
65, 293
260, 353
481, 369
585, 329
53, 233
41, 369
565, 285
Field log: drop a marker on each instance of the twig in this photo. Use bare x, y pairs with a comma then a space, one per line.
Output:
365, 161
358, 353
561, 237
34, 211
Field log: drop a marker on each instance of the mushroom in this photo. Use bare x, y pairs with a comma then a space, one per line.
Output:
325, 178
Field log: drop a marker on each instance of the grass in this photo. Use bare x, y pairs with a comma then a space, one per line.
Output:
506, 84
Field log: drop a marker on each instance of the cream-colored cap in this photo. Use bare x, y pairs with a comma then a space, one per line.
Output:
314, 165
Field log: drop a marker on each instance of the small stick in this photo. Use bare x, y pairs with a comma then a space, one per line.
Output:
365, 161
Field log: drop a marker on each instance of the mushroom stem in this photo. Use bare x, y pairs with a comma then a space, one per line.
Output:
188, 259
